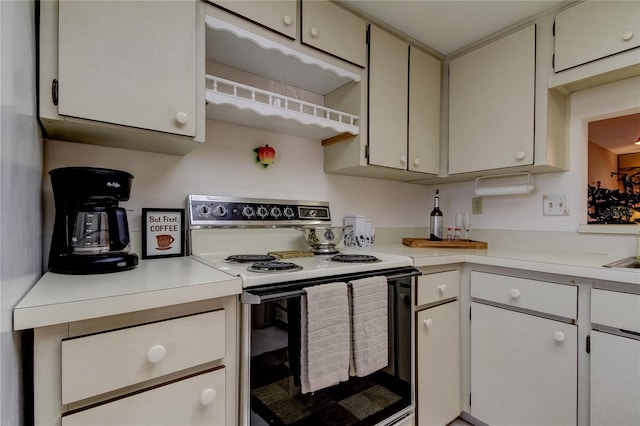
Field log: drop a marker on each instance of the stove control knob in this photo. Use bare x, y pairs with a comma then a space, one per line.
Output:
262, 212
288, 212
220, 210
275, 212
204, 210
247, 211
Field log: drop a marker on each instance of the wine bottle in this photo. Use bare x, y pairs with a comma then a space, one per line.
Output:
435, 222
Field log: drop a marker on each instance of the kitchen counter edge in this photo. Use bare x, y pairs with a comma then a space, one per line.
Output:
585, 265
154, 283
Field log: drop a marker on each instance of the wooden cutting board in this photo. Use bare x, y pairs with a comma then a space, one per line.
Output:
426, 243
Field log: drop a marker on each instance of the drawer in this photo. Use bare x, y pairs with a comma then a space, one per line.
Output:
198, 400
615, 309
104, 362
438, 286
550, 298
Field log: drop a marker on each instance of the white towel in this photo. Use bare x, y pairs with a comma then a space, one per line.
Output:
369, 325
324, 336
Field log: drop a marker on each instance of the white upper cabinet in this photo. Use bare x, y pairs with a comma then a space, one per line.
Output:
404, 105
279, 15
259, 79
332, 29
595, 29
424, 112
388, 99
110, 69
491, 105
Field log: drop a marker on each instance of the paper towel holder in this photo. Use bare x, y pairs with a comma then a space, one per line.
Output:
508, 189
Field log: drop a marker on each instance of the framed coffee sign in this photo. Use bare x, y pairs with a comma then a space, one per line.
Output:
162, 233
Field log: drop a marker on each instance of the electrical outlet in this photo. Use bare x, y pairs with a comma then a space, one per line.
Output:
555, 205
476, 205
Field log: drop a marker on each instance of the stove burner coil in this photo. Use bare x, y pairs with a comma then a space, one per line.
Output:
354, 258
249, 258
274, 266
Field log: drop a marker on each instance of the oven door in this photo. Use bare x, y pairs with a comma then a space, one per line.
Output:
270, 361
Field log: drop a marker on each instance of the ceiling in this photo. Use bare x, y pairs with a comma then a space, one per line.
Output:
448, 25
617, 134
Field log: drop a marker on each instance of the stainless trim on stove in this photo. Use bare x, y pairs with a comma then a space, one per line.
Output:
257, 295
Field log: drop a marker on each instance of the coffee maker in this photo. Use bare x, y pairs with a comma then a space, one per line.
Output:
90, 231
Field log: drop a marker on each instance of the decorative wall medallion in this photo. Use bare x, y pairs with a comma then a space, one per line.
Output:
265, 155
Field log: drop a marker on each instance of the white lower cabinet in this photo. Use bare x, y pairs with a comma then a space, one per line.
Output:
523, 368
615, 380
168, 366
437, 348
198, 400
438, 364
524, 351
615, 358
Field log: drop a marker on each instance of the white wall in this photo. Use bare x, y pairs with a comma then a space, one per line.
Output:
20, 180
226, 165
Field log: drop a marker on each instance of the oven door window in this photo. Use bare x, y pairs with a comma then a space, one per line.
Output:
275, 371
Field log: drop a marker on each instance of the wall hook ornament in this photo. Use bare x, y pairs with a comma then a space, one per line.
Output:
265, 155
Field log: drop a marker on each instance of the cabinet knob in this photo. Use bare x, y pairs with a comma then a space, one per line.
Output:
287, 20
442, 288
208, 396
416, 162
314, 32
520, 155
628, 35
403, 159
182, 117
156, 353
428, 322
559, 336
515, 293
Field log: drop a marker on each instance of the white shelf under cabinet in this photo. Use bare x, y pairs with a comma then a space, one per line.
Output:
249, 106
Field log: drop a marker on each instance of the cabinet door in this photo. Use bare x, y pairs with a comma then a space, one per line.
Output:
491, 105
129, 63
594, 30
388, 99
615, 380
523, 368
424, 112
199, 400
438, 364
277, 15
334, 30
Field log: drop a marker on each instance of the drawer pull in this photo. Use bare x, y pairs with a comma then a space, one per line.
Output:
314, 32
559, 336
182, 117
156, 353
442, 288
627, 36
208, 396
515, 293
428, 322
287, 20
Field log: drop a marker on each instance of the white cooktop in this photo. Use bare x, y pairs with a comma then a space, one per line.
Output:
317, 266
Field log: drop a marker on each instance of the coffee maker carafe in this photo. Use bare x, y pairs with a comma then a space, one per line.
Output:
90, 231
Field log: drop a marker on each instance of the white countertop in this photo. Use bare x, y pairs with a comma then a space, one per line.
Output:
587, 265
154, 283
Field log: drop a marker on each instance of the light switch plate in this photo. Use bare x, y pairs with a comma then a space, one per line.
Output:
476, 205
555, 205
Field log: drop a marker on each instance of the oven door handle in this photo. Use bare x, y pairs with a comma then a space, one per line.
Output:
249, 298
